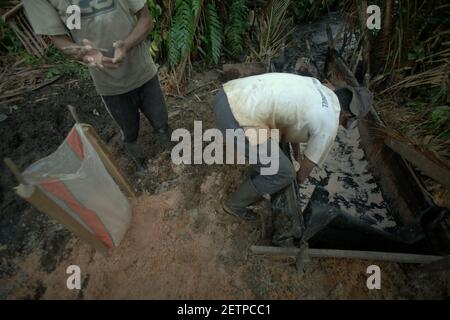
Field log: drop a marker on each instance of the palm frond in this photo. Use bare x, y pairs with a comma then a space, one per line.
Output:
215, 33
236, 26
181, 33
273, 27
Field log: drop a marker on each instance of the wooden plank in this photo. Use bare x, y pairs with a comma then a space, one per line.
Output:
346, 254
15, 171
434, 170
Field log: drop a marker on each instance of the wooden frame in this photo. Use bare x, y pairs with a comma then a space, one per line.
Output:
105, 155
36, 197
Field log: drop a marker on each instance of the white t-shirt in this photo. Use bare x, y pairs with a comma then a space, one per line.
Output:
300, 107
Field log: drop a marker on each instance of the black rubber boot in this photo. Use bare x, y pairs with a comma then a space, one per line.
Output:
163, 130
135, 152
237, 203
250, 173
164, 135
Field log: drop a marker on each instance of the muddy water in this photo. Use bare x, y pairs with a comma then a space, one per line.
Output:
347, 177
345, 174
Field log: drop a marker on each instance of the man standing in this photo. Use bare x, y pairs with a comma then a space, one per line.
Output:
111, 42
302, 109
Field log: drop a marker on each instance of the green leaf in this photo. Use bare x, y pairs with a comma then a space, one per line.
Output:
196, 7
440, 116
181, 34
237, 25
444, 136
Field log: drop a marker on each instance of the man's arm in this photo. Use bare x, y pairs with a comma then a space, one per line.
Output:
69, 48
87, 53
139, 33
319, 146
306, 166
296, 152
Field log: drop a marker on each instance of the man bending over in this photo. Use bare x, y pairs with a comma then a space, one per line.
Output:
302, 109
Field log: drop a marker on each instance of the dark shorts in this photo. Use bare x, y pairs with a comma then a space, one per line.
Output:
264, 184
125, 108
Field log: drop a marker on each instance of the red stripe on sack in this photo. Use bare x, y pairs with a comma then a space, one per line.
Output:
74, 142
58, 189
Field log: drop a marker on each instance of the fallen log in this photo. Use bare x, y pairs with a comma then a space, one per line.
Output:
423, 160
241, 70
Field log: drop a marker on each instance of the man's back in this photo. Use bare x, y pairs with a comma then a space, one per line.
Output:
300, 107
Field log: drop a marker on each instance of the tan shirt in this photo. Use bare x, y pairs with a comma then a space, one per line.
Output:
300, 107
103, 22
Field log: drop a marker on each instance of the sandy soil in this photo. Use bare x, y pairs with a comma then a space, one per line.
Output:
180, 244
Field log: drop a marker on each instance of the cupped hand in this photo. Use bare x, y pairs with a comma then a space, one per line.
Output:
94, 57
120, 52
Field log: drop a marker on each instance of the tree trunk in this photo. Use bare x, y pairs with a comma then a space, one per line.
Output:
387, 25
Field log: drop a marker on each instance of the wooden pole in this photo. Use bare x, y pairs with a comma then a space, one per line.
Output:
331, 41
346, 254
74, 114
15, 171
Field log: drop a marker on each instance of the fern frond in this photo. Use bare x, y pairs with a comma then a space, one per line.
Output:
181, 33
215, 33
196, 7
236, 26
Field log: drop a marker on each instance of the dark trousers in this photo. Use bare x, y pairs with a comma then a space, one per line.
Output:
264, 184
148, 99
